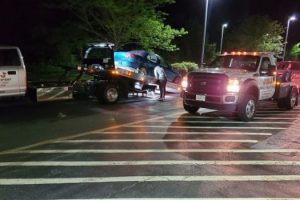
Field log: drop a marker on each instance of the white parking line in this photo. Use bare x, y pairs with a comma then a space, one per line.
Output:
180, 133
42, 181
221, 122
280, 114
274, 118
216, 117
278, 111
149, 163
206, 127
250, 198
119, 151
156, 140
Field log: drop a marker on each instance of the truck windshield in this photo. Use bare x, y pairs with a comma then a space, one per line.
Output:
95, 55
246, 62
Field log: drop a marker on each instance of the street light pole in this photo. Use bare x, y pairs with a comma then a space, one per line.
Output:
293, 18
221, 43
204, 33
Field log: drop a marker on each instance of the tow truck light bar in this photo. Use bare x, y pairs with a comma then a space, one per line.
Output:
239, 53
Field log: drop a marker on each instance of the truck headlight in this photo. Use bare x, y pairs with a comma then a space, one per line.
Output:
184, 82
233, 85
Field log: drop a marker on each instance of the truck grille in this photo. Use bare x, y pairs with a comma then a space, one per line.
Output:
205, 83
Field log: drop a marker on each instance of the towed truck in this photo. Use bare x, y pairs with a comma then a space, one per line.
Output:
116, 74
236, 82
14, 83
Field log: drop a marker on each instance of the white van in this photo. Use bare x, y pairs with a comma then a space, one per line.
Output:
12, 72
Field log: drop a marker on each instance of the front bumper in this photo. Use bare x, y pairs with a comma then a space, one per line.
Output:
225, 102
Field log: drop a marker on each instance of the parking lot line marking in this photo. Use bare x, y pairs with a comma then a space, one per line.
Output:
247, 198
119, 179
222, 122
149, 163
181, 133
156, 140
280, 114
71, 151
79, 135
207, 127
275, 118
278, 111
215, 117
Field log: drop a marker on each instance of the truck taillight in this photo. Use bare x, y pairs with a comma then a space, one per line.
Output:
114, 72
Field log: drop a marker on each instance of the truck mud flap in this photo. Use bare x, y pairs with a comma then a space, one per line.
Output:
53, 93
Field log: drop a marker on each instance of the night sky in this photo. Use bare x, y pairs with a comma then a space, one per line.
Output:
231, 11
19, 15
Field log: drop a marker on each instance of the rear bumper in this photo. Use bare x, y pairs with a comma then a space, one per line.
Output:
227, 102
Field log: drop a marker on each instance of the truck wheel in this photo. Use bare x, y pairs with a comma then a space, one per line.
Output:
247, 108
190, 109
291, 100
110, 94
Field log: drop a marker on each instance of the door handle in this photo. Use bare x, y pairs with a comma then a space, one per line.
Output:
12, 72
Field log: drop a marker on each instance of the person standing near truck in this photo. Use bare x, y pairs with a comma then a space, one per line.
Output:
161, 80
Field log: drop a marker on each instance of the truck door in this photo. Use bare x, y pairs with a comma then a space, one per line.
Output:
10, 64
265, 81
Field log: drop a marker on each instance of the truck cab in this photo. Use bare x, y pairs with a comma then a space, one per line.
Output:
12, 72
235, 82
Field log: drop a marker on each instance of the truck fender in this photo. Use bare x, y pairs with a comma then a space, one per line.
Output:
249, 87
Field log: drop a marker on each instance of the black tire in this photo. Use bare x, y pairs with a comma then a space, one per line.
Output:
247, 108
190, 109
291, 100
110, 94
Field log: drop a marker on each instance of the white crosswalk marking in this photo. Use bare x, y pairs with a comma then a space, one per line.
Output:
72, 151
191, 199
208, 127
153, 140
162, 150
231, 118
220, 122
152, 162
39, 181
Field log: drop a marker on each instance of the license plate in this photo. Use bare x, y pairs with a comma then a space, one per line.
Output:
200, 97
